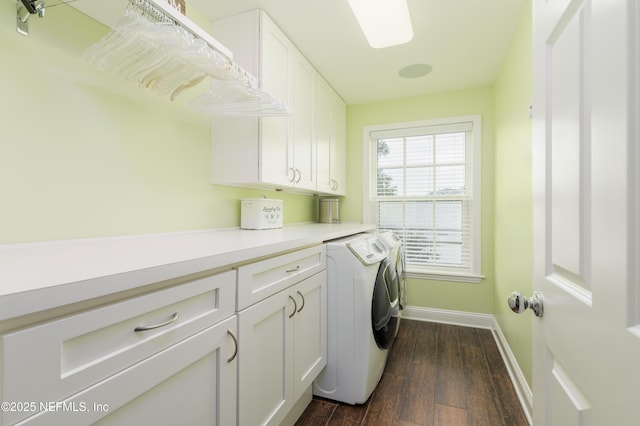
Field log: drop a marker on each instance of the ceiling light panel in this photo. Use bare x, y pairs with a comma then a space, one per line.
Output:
384, 22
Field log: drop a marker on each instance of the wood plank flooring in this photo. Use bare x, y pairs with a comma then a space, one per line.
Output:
436, 375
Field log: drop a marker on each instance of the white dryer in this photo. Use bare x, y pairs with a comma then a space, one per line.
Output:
362, 318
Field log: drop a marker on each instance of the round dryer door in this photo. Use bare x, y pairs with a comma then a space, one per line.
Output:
384, 317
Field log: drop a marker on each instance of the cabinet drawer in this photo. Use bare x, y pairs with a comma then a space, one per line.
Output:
51, 361
260, 280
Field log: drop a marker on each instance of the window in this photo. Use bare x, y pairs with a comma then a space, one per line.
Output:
423, 182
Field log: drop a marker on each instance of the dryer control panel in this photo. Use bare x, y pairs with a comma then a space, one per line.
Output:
369, 249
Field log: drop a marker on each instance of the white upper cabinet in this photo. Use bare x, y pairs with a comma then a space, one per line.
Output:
273, 136
274, 152
252, 151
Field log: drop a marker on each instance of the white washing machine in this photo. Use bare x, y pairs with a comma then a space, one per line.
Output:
361, 322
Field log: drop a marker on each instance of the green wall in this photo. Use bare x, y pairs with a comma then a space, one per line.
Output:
427, 293
513, 203
506, 185
83, 154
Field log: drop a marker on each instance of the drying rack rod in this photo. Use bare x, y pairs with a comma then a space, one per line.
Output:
26, 8
162, 11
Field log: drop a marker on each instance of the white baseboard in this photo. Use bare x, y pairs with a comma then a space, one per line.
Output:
517, 377
468, 319
487, 321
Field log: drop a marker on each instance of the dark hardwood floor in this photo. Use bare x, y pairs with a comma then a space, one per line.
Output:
436, 374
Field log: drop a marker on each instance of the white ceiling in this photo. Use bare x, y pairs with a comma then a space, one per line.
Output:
464, 40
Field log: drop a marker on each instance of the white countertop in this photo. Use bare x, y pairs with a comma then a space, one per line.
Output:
40, 276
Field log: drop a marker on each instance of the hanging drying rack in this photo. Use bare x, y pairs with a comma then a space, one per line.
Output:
162, 11
170, 53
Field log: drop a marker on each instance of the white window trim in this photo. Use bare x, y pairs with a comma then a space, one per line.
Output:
475, 274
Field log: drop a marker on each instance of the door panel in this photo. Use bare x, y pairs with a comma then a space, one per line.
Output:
584, 156
569, 144
567, 404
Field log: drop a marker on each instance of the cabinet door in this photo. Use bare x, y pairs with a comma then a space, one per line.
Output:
330, 139
338, 144
275, 76
265, 361
302, 99
323, 136
190, 383
310, 331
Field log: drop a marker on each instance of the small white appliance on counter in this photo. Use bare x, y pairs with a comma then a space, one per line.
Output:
261, 213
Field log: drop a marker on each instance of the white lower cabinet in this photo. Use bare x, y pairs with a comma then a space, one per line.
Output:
163, 358
190, 383
283, 348
239, 347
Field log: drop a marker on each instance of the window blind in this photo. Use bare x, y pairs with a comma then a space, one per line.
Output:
423, 190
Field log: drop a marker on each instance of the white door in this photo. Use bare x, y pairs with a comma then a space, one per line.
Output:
587, 343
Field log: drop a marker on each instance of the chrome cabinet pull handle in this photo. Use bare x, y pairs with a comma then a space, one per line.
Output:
296, 269
301, 297
235, 342
173, 319
299, 175
295, 306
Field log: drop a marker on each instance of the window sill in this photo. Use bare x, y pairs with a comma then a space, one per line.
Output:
459, 277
